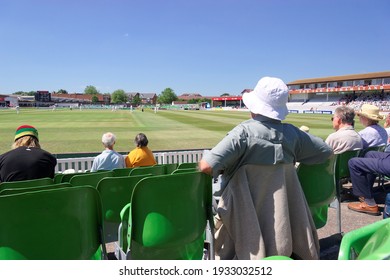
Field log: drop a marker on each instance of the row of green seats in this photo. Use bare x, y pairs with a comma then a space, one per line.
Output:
62, 223
26, 183
43, 212
45, 223
158, 169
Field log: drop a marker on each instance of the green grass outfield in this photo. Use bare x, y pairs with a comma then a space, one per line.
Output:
73, 131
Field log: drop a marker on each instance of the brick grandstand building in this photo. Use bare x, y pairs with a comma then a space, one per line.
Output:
346, 88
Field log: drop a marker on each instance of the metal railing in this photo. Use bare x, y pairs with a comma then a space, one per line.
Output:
83, 164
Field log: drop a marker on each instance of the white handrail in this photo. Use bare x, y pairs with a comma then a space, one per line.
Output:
83, 164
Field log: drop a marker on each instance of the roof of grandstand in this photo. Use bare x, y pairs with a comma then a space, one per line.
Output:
373, 75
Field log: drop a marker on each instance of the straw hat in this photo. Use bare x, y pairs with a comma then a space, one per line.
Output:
304, 128
269, 98
370, 112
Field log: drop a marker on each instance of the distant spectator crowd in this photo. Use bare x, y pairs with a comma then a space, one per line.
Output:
379, 99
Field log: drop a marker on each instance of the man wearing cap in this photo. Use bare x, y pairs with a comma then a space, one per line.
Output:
373, 134
263, 210
26, 160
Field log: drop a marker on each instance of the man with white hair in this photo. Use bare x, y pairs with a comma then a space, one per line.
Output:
263, 211
109, 159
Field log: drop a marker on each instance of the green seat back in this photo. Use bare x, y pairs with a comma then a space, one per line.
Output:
378, 245
58, 178
167, 216
119, 172
55, 224
66, 177
170, 167
142, 170
341, 173
38, 188
187, 165
277, 258
26, 183
342, 169
319, 186
183, 170
371, 242
91, 179
376, 148
115, 193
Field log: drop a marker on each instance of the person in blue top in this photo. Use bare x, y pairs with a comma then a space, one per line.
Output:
109, 159
373, 134
364, 170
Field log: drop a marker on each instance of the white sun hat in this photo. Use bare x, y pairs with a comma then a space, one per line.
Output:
269, 98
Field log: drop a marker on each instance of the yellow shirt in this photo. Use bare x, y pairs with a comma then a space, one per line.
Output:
140, 157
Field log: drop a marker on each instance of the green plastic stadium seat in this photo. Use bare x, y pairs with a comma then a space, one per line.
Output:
167, 218
376, 148
187, 165
319, 186
170, 167
371, 242
58, 178
341, 173
141, 170
66, 177
90, 179
115, 193
26, 183
119, 172
183, 170
30, 189
277, 258
55, 224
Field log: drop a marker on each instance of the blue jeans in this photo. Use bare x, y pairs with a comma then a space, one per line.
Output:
364, 170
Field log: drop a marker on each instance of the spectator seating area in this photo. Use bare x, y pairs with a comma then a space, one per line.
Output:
331, 101
61, 223
41, 219
158, 212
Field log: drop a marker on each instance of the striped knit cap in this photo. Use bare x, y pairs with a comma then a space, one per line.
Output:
25, 130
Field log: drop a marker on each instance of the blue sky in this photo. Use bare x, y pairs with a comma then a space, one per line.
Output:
209, 47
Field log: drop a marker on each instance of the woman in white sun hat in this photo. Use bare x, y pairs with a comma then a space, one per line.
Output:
262, 210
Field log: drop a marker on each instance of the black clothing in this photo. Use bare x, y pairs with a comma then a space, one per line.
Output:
26, 163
